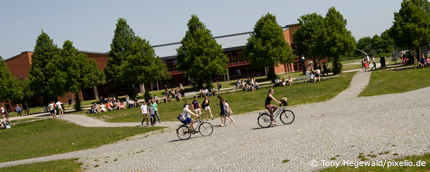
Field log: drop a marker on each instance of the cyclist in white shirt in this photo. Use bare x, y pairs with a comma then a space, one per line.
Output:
187, 112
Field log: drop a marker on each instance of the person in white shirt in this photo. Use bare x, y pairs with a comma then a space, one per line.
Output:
51, 110
206, 92
60, 108
103, 108
368, 62
144, 109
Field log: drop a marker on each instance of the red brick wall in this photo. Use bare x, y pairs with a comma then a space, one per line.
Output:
19, 65
101, 59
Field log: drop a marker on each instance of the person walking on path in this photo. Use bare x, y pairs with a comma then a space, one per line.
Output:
227, 112
144, 109
151, 113
51, 107
70, 101
60, 108
219, 88
325, 70
365, 66
196, 106
18, 110
221, 114
154, 104
374, 63
205, 105
26, 109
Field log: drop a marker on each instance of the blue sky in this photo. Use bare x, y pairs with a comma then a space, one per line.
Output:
90, 24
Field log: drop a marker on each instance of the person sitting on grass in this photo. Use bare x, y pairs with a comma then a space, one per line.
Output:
256, 86
318, 75
238, 84
103, 108
283, 81
109, 106
277, 83
178, 95
290, 81
121, 105
201, 92
427, 62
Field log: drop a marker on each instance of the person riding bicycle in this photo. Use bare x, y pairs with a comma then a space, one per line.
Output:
187, 113
271, 108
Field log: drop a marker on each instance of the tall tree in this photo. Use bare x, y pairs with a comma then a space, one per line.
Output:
8, 87
306, 34
120, 50
75, 72
199, 55
267, 47
39, 74
335, 40
411, 25
142, 66
364, 44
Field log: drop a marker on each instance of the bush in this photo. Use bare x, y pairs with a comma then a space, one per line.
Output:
147, 96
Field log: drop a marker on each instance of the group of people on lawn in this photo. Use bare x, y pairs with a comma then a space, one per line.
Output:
249, 85
177, 93
284, 82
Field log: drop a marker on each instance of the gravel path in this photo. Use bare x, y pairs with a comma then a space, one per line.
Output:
396, 122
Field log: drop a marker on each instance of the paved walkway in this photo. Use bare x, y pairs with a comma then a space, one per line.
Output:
396, 122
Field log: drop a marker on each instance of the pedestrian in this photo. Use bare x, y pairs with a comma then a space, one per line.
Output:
51, 107
374, 63
196, 106
227, 112
151, 113
70, 101
362, 63
219, 87
18, 110
27, 109
205, 105
144, 109
325, 69
60, 108
365, 66
154, 104
368, 61
221, 114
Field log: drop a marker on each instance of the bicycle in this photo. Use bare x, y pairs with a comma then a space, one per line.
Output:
204, 128
286, 116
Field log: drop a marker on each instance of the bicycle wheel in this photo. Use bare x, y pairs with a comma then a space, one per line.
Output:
206, 129
264, 120
183, 132
287, 117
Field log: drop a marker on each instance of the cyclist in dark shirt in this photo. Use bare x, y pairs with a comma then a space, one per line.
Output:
271, 108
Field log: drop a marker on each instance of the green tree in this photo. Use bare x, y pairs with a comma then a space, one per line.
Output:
306, 34
364, 44
267, 47
75, 72
8, 87
335, 40
142, 66
24, 85
39, 74
199, 55
120, 50
411, 25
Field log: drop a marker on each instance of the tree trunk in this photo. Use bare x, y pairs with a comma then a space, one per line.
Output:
77, 102
337, 66
271, 74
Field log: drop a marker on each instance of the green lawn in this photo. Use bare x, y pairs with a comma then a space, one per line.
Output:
414, 159
49, 137
23, 120
242, 102
387, 82
64, 165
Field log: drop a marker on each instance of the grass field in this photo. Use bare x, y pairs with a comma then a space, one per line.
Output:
242, 102
64, 165
48, 137
387, 82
